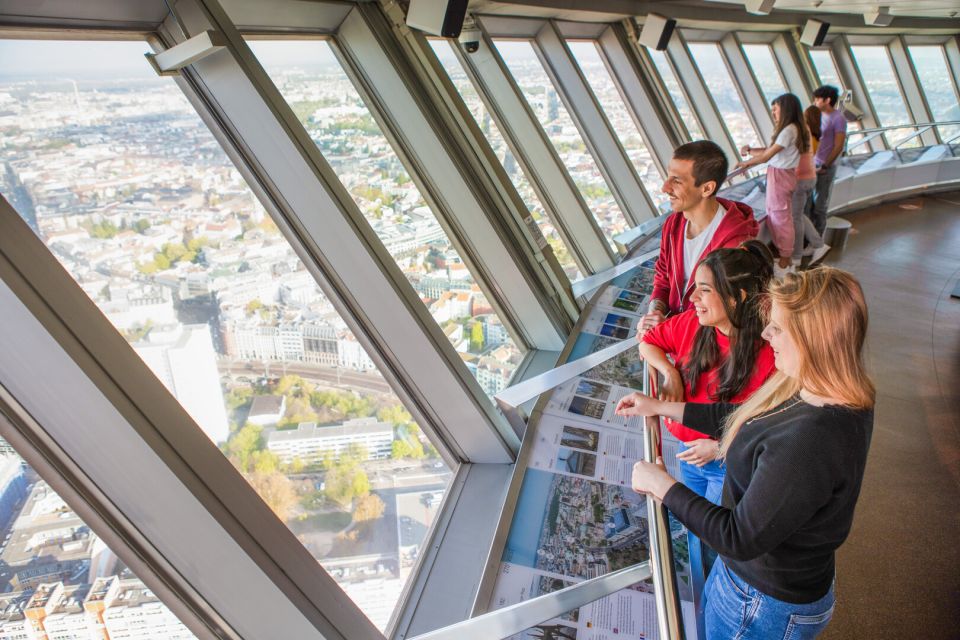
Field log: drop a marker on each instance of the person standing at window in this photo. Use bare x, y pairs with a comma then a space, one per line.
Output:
795, 453
717, 351
790, 139
803, 228
833, 138
700, 223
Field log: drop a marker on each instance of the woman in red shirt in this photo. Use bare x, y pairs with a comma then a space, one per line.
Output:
718, 351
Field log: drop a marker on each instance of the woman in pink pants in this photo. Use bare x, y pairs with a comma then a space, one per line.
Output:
790, 139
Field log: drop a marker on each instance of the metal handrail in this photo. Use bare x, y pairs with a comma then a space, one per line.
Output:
669, 619
519, 617
877, 132
915, 134
910, 125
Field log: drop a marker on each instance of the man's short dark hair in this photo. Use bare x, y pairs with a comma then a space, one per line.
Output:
709, 162
831, 93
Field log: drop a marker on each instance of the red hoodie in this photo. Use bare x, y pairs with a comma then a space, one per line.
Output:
738, 224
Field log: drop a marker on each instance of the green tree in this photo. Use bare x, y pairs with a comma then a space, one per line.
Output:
400, 449
141, 225
476, 337
242, 445
276, 490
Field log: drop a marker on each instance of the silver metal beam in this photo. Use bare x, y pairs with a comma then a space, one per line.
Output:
612, 160
647, 110
514, 619
688, 75
439, 142
754, 102
530, 145
853, 80
912, 91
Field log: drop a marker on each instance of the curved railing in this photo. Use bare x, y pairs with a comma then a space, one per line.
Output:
870, 135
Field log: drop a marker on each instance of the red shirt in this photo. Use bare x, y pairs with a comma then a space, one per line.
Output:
669, 285
675, 337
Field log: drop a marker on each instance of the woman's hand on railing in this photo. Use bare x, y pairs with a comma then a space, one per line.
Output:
652, 478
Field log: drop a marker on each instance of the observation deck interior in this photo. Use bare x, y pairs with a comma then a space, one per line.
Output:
259, 310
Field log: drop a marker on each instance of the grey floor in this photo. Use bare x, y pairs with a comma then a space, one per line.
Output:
898, 574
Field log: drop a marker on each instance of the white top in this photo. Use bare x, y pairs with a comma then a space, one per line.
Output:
789, 157
693, 247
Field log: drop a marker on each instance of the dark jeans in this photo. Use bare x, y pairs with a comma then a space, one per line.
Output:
821, 198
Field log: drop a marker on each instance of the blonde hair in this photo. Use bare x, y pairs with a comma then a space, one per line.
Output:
826, 316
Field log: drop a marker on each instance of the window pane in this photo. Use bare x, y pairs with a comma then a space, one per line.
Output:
608, 95
766, 70
709, 59
669, 78
939, 87
134, 196
881, 81
330, 108
59, 580
826, 69
479, 112
542, 96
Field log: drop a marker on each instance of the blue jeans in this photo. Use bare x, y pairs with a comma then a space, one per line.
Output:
737, 611
706, 481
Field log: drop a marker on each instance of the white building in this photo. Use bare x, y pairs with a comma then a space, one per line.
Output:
309, 442
185, 362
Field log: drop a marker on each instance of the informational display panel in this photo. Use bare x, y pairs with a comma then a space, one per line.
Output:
576, 516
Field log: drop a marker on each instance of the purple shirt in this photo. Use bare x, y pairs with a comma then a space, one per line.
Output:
830, 125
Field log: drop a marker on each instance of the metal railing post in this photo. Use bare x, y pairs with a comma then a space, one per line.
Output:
669, 618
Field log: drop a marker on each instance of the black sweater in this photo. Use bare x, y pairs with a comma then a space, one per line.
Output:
793, 477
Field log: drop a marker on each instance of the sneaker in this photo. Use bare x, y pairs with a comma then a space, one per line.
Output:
819, 253
808, 250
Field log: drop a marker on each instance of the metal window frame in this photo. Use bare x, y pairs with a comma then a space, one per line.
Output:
701, 37
744, 43
598, 134
629, 71
751, 94
914, 95
849, 72
145, 457
682, 130
699, 96
497, 248
530, 145
851, 41
951, 58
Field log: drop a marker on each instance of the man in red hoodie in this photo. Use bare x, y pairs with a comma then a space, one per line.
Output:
700, 223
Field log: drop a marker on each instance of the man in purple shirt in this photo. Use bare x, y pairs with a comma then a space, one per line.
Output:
833, 137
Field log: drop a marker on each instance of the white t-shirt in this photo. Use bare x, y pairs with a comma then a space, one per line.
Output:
789, 156
693, 247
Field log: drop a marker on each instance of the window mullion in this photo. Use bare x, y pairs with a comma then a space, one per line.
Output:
912, 92
612, 160
790, 59
412, 118
700, 99
649, 113
853, 80
342, 251
748, 87
541, 162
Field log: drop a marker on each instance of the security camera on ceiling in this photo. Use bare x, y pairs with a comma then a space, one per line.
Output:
437, 17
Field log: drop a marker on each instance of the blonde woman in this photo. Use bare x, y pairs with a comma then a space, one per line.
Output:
795, 454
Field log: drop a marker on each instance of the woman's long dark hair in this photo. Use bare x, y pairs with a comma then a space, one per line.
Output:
791, 112
740, 278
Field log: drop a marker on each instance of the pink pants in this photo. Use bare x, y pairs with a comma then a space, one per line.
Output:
781, 184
